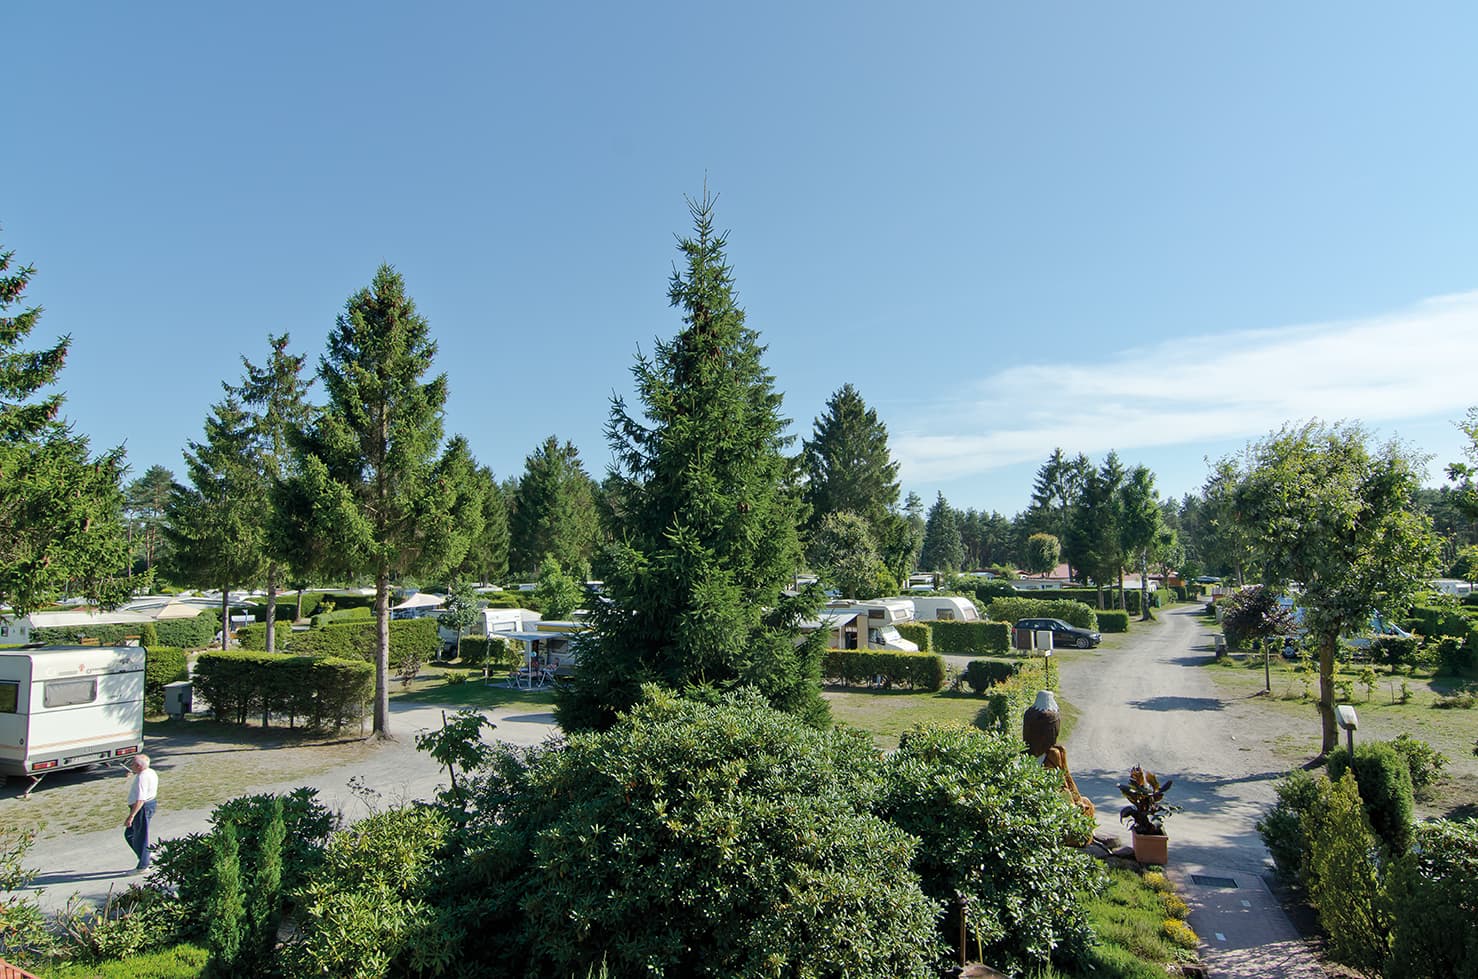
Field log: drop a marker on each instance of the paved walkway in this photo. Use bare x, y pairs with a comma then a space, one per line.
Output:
1150, 702
88, 865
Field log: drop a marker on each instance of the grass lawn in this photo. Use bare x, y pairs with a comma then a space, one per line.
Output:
431, 688
1382, 715
886, 714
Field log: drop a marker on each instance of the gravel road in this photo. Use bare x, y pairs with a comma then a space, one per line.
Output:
88, 865
1149, 702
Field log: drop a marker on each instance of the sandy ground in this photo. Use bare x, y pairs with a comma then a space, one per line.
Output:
1150, 702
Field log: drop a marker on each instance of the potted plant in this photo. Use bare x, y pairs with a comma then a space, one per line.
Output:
1146, 814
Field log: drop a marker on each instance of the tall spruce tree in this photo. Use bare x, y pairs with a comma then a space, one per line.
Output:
943, 550
279, 394
487, 552
367, 475
61, 507
695, 584
215, 524
847, 465
553, 509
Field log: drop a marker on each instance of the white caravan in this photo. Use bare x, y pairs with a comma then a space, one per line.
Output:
69, 707
882, 617
944, 608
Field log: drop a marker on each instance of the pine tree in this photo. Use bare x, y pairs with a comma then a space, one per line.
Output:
226, 906
364, 484
847, 465
215, 525
487, 552
943, 550
694, 584
553, 510
145, 501
61, 508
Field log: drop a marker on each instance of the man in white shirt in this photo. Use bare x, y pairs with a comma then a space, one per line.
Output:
142, 789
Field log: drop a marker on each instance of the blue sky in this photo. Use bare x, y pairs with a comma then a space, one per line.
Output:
1162, 229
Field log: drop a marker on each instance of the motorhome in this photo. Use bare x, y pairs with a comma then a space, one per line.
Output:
944, 608
880, 617
67, 707
490, 622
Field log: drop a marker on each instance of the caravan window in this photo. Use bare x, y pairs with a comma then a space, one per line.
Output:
9, 695
946, 615
69, 693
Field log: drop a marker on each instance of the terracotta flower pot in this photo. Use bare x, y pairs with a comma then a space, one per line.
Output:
1151, 848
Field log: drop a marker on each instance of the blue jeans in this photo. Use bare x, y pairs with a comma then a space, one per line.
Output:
137, 834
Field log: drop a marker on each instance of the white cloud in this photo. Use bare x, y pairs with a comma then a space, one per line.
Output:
1412, 364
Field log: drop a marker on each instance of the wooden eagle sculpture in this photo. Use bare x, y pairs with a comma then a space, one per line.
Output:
1041, 724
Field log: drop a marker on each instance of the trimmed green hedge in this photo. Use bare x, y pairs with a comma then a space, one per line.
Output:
924, 671
1113, 621
360, 613
181, 633
323, 692
919, 634
1435, 621
287, 605
972, 638
162, 664
1011, 610
254, 636
356, 640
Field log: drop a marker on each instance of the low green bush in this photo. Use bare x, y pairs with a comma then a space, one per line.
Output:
918, 633
923, 671
1456, 657
1384, 779
1113, 621
178, 962
162, 664
323, 692
983, 674
1433, 893
196, 633
1424, 762
972, 638
368, 902
1282, 827
1012, 610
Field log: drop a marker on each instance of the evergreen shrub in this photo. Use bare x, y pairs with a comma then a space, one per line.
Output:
1344, 883
490, 650
360, 613
1433, 892
1282, 827
254, 637
1384, 780
1113, 621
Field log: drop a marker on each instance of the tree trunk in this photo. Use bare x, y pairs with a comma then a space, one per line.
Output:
1144, 587
225, 617
298, 617
1326, 694
272, 607
1122, 604
382, 654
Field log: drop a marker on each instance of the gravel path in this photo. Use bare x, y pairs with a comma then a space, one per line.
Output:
88, 865
1149, 702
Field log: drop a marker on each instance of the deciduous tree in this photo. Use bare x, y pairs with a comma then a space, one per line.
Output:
1326, 511
843, 553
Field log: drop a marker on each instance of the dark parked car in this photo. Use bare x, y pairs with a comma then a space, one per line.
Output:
1062, 633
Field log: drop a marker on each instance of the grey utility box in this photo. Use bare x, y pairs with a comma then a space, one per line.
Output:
177, 698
